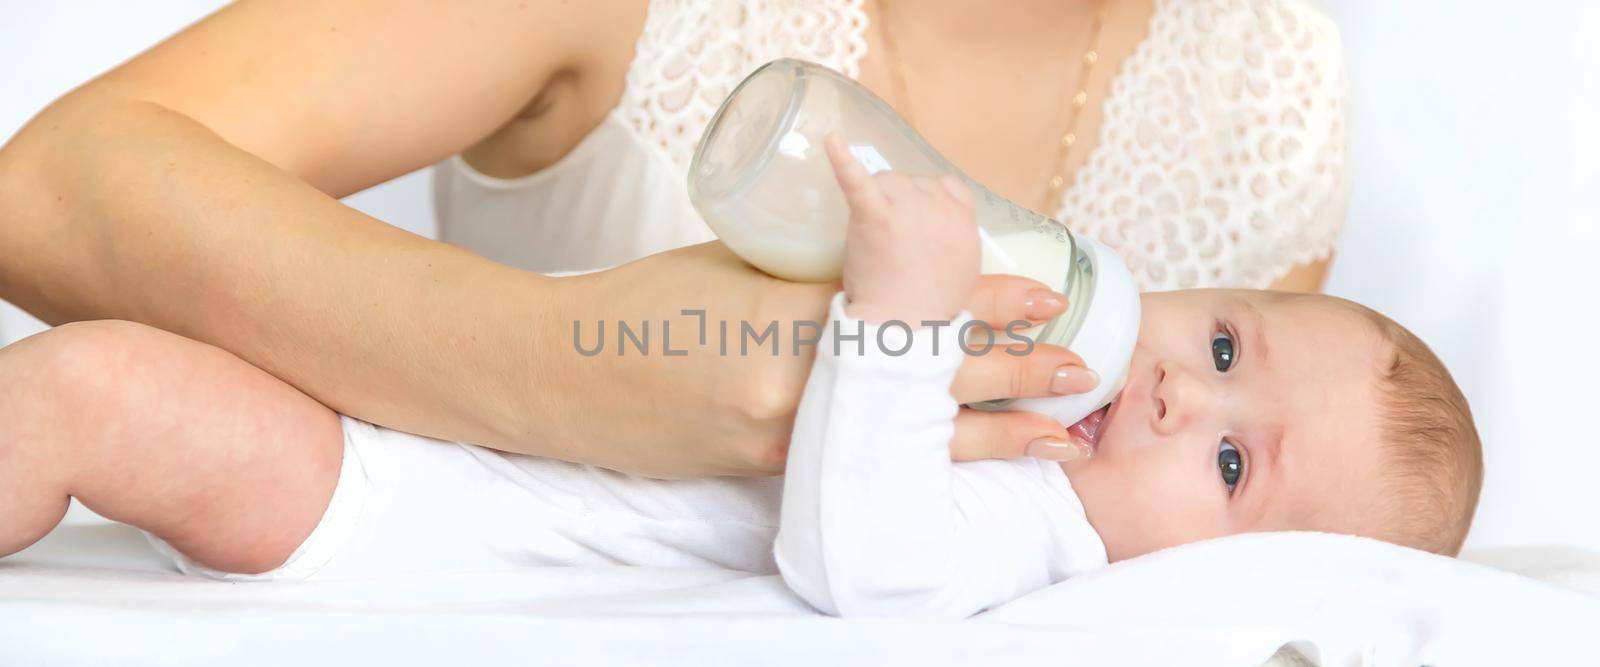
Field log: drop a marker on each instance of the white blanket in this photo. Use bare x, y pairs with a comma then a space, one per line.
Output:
96, 594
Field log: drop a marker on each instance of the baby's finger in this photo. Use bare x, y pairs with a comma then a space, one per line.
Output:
929, 186
858, 186
1011, 435
1049, 370
957, 189
895, 186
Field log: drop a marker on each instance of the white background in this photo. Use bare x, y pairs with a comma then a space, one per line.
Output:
1475, 218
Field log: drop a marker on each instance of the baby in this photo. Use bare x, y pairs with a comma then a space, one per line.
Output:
1244, 411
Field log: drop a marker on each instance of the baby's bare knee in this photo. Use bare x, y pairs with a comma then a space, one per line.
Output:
81, 369
54, 388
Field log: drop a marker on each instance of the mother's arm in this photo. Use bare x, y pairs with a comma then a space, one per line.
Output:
195, 188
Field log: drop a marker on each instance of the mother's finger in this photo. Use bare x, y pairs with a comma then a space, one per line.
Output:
1000, 299
1048, 370
1010, 435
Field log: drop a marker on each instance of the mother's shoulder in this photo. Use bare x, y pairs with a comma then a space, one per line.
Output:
1245, 52
1300, 25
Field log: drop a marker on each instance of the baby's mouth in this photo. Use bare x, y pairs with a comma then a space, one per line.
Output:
1090, 428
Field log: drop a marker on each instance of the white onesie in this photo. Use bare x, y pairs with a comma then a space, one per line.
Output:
871, 518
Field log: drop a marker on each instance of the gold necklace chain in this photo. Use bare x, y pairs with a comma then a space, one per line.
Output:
1075, 105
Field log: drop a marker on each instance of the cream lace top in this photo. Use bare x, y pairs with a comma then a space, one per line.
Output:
1221, 160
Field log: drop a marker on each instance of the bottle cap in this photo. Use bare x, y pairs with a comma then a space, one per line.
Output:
1105, 341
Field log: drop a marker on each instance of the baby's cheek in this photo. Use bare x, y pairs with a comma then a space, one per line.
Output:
1156, 512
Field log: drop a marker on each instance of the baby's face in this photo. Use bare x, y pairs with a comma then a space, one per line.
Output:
1243, 411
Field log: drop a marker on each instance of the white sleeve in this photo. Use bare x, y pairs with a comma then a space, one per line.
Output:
876, 519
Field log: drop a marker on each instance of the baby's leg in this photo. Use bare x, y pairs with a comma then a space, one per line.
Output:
225, 462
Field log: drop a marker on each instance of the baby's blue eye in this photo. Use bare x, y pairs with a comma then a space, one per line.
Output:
1222, 351
1230, 463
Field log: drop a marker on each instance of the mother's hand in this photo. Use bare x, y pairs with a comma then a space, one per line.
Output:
709, 412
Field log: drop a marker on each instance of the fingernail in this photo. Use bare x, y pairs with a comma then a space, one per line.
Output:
1056, 449
1074, 380
1043, 304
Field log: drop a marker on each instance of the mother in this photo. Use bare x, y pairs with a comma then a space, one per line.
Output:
195, 188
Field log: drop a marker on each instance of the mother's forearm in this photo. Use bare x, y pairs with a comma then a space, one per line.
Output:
127, 210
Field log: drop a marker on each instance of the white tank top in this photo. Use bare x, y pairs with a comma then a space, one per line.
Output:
1221, 160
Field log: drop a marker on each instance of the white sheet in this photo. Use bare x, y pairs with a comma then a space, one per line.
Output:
96, 594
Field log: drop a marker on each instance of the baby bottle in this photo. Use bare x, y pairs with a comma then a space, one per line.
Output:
761, 181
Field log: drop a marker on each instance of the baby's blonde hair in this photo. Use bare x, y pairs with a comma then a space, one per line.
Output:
1433, 460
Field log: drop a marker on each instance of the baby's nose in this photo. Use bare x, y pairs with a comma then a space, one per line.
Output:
1177, 399
1160, 402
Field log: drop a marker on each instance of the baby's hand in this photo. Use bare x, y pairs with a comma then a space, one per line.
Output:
911, 251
